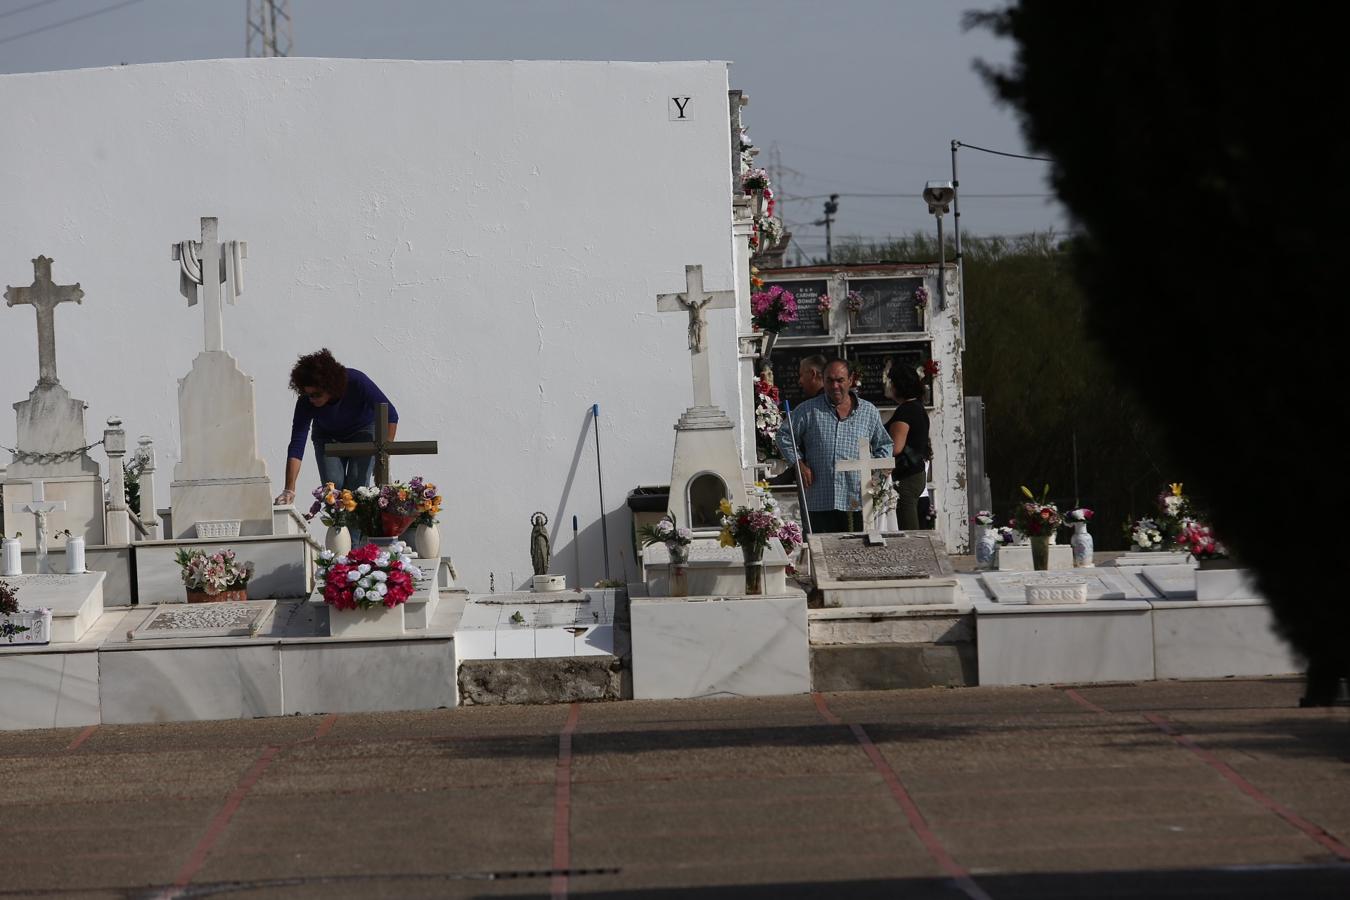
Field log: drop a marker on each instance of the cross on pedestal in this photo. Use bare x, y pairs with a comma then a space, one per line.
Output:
865, 465
43, 296
209, 263
381, 448
694, 301
38, 508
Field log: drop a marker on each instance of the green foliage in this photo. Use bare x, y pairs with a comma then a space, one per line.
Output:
1045, 381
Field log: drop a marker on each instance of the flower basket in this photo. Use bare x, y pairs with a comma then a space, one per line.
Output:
213, 577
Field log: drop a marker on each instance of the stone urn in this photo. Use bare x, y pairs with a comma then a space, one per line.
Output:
1081, 544
986, 548
338, 540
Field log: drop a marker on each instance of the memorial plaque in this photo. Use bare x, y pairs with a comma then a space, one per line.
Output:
888, 305
786, 361
809, 321
846, 557
205, 620
870, 359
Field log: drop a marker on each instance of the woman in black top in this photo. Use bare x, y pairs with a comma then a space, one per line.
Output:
908, 428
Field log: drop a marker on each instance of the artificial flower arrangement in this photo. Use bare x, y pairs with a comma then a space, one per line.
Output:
1036, 517
768, 232
755, 281
1146, 535
1198, 540
755, 180
333, 507
824, 303
386, 510
984, 518
368, 576
855, 302
768, 418
9, 599
931, 368
213, 573
1163, 528
755, 524
921, 297
1006, 535
1082, 514
429, 500
774, 309
666, 532
881, 491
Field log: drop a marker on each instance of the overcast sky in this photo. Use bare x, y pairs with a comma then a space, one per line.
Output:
850, 96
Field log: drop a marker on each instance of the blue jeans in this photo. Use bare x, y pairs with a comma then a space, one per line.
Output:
346, 472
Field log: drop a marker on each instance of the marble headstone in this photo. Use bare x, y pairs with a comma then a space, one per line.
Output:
911, 568
221, 476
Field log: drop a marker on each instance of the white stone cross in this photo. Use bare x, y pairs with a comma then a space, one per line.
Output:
694, 301
43, 295
222, 263
866, 464
39, 507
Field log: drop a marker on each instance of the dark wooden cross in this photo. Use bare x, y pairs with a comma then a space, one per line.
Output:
381, 448
44, 295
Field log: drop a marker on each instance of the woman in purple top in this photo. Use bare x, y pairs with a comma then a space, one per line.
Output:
340, 404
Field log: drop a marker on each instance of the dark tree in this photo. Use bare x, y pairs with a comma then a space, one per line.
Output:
1200, 149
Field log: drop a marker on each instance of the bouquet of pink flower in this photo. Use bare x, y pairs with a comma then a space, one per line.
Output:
1037, 517
823, 303
774, 309
921, 296
367, 576
1082, 514
755, 180
213, 573
1198, 540
855, 302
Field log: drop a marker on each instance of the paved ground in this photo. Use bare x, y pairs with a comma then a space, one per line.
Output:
1151, 790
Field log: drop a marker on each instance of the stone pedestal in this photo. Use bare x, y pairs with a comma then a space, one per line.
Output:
713, 570
50, 422
220, 476
706, 461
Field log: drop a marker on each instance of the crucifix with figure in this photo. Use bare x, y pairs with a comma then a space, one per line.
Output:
382, 447
43, 295
693, 302
39, 508
870, 466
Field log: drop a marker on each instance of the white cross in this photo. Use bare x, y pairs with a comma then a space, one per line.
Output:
39, 507
209, 263
694, 301
868, 464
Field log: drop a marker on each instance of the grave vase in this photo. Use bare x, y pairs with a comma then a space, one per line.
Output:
338, 540
1040, 552
427, 541
237, 595
985, 549
753, 555
75, 556
678, 570
1081, 544
12, 552
825, 319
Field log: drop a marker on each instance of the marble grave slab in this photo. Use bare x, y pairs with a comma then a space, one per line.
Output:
1171, 582
205, 620
912, 568
76, 601
1010, 587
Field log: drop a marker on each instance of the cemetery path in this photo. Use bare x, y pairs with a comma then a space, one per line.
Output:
1164, 789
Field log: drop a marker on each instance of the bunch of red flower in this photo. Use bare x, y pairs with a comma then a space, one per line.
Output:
1198, 540
367, 576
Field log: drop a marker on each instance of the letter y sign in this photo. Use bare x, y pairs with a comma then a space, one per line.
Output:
681, 109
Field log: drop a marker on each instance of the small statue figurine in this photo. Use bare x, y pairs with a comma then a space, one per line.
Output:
540, 549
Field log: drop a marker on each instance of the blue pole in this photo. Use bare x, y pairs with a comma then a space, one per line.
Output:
599, 476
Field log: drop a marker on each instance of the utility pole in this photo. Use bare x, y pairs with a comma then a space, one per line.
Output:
268, 29
831, 207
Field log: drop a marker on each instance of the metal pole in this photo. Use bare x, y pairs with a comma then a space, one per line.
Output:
801, 488
956, 236
942, 267
1076, 499
604, 527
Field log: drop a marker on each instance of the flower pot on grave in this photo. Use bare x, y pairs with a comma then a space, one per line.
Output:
753, 555
235, 595
427, 541
338, 540
1081, 544
678, 570
1040, 552
392, 524
825, 320
27, 626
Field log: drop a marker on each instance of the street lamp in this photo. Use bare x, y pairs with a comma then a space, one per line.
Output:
831, 207
938, 195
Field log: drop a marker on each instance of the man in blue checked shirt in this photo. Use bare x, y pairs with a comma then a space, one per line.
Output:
828, 427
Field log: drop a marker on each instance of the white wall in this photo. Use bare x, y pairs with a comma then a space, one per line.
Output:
485, 239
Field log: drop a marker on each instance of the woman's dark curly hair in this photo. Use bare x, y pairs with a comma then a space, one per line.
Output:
319, 370
907, 383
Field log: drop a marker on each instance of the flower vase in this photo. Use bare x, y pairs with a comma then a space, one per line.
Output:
1081, 544
919, 313
392, 524
754, 568
338, 540
427, 541
1040, 552
825, 320
985, 548
236, 595
678, 570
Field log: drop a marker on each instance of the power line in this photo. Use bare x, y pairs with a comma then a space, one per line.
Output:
914, 195
64, 22
1002, 152
14, 12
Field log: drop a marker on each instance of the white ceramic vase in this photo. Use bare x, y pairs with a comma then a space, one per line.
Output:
427, 541
1081, 544
338, 540
985, 548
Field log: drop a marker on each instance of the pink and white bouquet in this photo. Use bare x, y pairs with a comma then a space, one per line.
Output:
855, 302
213, 573
1083, 514
756, 524
824, 303
774, 309
921, 296
1198, 540
367, 576
667, 532
755, 180
984, 518
768, 417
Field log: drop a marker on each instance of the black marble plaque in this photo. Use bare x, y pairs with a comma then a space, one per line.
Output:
870, 359
809, 322
888, 305
786, 361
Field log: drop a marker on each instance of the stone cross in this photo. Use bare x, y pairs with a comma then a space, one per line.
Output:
694, 301
43, 295
382, 448
208, 263
39, 507
865, 465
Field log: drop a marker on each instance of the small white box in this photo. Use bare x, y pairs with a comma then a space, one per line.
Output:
222, 528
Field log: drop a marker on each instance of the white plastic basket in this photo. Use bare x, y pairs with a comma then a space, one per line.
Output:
222, 528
